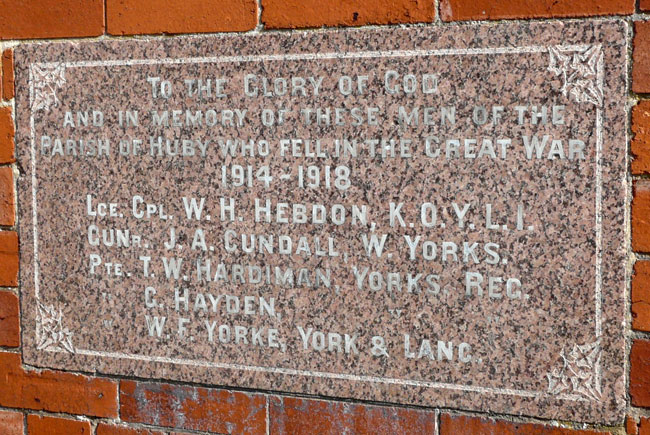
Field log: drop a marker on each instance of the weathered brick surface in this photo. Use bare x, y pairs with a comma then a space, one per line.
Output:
7, 199
641, 216
641, 57
640, 143
631, 426
644, 5
644, 426
641, 296
55, 391
131, 17
109, 429
452, 10
317, 13
185, 407
11, 423
640, 373
26, 19
6, 136
462, 424
304, 416
8, 259
37, 425
8, 74
9, 320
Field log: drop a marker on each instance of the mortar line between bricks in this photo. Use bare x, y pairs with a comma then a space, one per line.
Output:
268, 417
105, 12
259, 26
637, 334
118, 400
52, 414
139, 425
151, 427
639, 412
9, 349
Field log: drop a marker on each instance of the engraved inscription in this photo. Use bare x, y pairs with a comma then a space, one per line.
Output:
411, 222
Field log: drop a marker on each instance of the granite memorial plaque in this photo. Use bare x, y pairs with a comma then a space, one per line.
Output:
431, 216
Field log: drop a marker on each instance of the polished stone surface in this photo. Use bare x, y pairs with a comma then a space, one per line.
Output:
499, 286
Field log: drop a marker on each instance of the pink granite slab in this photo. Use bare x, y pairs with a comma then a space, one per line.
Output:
551, 346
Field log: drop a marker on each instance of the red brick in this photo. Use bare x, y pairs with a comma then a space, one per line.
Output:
55, 391
108, 429
641, 296
136, 17
8, 74
26, 19
462, 424
631, 426
459, 10
641, 216
7, 199
37, 425
303, 416
644, 426
186, 407
641, 57
11, 423
6, 136
317, 13
644, 5
640, 143
9, 320
640, 373
8, 259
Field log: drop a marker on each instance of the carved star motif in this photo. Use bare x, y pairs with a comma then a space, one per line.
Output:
50, 332
580, 372
579, 72
46, 79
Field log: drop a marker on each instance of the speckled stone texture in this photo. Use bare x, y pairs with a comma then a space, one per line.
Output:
552, 347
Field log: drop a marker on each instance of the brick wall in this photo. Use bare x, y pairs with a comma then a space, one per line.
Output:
50, 402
